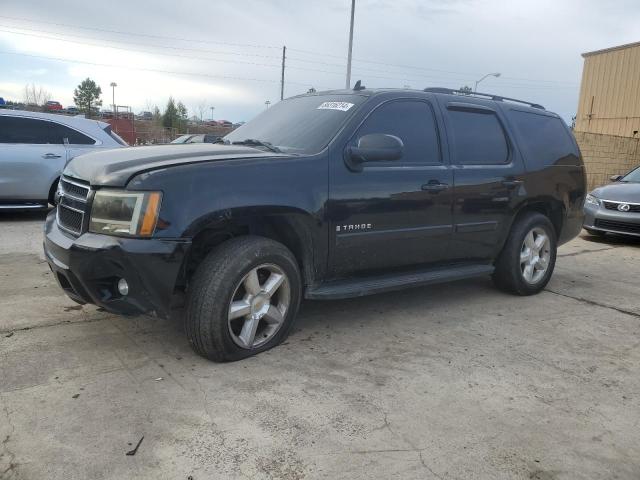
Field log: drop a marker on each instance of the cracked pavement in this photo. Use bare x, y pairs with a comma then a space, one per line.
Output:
453, 381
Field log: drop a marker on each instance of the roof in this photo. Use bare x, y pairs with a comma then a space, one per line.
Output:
611, 49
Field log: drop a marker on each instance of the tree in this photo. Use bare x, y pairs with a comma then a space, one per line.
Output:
36, 96
202, 109
170, 116
466, 90
175, 115
87, 96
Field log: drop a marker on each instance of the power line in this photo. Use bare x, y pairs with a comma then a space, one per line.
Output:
120, 32
140, 51
463, 75
154, 70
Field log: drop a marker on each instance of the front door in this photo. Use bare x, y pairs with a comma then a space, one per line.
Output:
392, 213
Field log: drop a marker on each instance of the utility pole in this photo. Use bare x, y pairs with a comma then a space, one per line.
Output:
212, 108
284, 51
348, 82
113, 97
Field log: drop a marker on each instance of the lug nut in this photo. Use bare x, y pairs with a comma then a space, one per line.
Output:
123, 287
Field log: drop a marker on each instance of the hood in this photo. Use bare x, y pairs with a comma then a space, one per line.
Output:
116, 167
619, 192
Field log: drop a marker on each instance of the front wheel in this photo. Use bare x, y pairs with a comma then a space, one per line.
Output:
243, 299
527, 261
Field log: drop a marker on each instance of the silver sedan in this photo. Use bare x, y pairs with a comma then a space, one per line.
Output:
34, 149
615, 208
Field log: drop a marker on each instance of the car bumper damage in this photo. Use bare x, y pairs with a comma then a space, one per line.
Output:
91, 269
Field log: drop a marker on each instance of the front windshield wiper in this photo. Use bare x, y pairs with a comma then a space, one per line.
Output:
252, 142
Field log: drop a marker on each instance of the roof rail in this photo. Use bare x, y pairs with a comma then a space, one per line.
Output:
496, 98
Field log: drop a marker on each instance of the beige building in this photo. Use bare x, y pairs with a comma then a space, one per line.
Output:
610, 92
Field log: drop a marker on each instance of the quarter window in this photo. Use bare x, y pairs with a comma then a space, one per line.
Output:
411, 121
478, 137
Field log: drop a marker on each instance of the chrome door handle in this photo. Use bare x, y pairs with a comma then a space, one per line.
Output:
512, 183
51, 155
434, 187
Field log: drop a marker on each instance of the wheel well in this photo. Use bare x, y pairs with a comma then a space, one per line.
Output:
278, 229
554, 211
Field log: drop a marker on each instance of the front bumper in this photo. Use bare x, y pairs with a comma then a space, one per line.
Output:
89, 267
613, 221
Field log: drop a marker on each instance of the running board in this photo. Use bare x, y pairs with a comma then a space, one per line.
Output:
360, 287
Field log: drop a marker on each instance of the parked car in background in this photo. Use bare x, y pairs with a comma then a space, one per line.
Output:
52, 106
197, 138
615, 208
73, 110
145, 116
323, 196
225, 123
35, 147
106, 114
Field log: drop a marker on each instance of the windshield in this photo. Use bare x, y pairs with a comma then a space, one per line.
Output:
299, 125
633, 176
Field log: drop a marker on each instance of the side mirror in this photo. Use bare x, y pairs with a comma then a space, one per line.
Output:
375, 147
616, 178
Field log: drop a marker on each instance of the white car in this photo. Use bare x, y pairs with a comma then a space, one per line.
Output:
34, 149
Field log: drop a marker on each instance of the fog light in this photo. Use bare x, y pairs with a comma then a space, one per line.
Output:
123, 287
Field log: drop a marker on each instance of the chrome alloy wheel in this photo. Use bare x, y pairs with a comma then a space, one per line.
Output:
535, 255
258, 306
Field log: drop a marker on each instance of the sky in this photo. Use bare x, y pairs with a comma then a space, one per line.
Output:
227, 54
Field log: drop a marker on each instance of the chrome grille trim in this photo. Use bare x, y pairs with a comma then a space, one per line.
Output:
71, 193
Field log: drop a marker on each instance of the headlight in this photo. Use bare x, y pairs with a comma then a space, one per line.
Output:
591, 200
119, 212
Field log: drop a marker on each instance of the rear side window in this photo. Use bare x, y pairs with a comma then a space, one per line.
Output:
38, 132
477, 137
411, 121
544, 140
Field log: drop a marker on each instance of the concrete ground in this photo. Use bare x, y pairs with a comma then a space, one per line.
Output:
457, 381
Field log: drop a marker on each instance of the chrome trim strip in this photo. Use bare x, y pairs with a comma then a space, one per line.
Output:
619, 202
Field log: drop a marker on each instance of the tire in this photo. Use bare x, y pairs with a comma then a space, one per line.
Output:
596, 233
511, 273
226, 276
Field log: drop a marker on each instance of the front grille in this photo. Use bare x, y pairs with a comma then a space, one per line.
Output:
72, 205
618, 226
609, 205
70, 219
74, 189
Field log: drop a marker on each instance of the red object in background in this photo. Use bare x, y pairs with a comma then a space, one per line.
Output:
52, 106
124, 127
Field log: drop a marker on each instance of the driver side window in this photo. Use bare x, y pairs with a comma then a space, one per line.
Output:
414, 123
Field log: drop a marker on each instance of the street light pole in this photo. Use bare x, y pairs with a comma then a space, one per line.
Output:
487, 75
348, 82
267, 103
113, 97
212, 109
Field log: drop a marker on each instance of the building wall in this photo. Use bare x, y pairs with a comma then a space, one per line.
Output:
606, 155
610, 92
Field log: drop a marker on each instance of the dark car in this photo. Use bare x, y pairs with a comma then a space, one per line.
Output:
615, 208
322, 196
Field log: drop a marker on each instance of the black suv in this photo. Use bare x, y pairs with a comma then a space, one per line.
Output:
327, 195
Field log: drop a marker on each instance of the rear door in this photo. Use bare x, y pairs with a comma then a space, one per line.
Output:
32, 155
394, 213
488, 177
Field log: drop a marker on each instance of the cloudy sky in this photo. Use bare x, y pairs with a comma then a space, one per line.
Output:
227, 54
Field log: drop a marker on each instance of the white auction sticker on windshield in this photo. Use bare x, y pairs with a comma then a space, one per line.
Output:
342, 106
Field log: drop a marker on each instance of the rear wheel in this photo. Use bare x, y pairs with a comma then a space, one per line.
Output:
527, 261
243, 299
